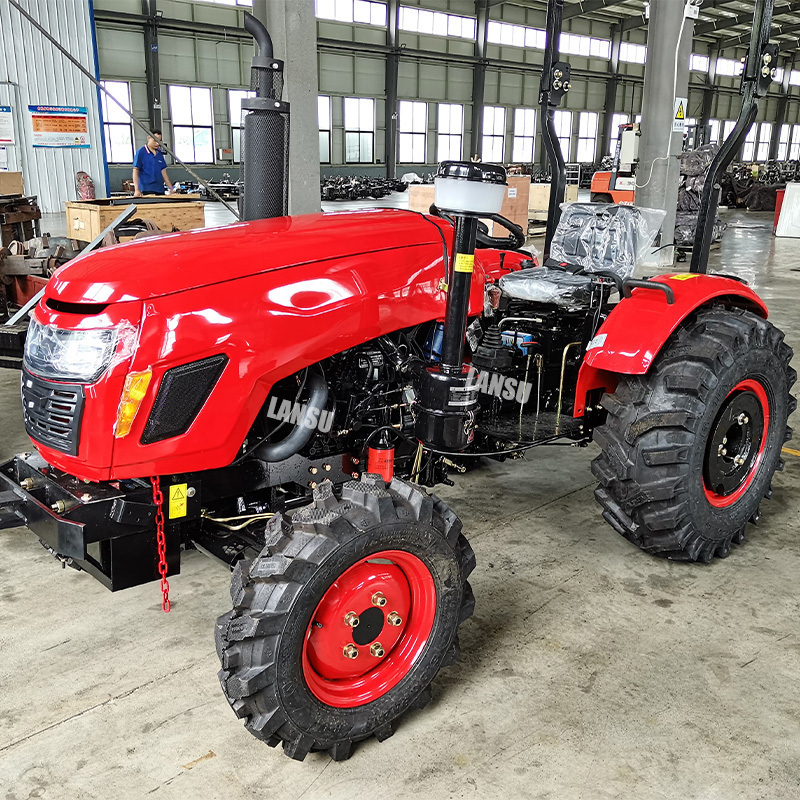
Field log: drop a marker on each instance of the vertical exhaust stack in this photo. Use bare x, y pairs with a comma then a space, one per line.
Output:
449, 395
265, 133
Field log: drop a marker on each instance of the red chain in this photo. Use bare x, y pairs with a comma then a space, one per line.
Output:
158, 499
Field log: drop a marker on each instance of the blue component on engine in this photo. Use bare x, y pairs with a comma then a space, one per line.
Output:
433, 347
516, 339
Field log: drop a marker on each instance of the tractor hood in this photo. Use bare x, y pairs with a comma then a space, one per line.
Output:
175, 262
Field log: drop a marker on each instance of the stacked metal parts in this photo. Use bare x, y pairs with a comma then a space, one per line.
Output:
265, 134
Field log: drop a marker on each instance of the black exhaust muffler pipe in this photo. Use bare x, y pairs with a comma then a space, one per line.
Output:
265, 133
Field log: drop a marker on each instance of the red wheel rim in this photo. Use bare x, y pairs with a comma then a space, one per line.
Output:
408, 588
758, 446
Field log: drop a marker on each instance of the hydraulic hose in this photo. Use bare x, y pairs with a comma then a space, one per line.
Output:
299, 437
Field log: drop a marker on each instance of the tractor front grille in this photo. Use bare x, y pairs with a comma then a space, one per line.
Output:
52, 412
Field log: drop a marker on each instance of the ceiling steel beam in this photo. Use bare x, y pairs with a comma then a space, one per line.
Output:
777, 32
723, 23
588, 6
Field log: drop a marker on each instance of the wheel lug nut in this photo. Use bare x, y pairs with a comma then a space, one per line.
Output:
722, 451
350, 651
377, 650
378, 599
351, 619
394, 618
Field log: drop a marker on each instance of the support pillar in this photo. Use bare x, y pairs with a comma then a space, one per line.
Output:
293, 28
479, 77
151, 67
611, 91
708, 92
664, 79
783, 106
392, 71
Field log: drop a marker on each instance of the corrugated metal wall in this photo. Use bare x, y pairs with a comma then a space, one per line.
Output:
33, 72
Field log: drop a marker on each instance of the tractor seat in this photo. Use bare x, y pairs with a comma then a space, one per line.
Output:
545, 285
591, 240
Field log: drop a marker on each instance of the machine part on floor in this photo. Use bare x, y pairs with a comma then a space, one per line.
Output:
265, 133
294, 667
93, 245
19, 218
689, 449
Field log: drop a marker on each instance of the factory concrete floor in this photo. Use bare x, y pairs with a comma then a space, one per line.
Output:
589, 670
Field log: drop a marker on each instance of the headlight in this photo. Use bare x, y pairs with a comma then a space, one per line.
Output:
69, 355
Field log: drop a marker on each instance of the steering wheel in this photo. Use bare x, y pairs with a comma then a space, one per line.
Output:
514, 241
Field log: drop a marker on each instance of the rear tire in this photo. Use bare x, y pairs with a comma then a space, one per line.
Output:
601, 198
689, 449
287, 666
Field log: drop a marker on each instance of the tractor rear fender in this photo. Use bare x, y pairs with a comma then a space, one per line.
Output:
628, 341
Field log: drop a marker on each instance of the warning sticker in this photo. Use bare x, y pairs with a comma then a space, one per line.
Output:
464, 262
177, 500
685, 277
679, 118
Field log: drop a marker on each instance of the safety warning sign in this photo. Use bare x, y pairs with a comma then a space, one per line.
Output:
679, 118
177, 500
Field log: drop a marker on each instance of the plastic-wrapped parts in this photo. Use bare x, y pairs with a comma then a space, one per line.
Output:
696, 162
544, 285
686, 224
605, 237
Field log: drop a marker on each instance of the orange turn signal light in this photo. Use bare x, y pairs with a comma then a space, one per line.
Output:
132, 395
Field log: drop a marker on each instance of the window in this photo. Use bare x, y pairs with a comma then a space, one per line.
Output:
729, 68
494, 133
585, 46
714, 125
419, 20
246, 3
794, 77
764, 140
587, 137
192, 123
783, 142
748, 151
515, 35
412, 128
563, 124
632, 53
359, 130
235, 97
324, 122
364, 12
698, 63
450, 130
727, 129
524, 133
794, 148
117, 128
616, 121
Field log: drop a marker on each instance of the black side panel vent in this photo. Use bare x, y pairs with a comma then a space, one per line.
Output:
183, 392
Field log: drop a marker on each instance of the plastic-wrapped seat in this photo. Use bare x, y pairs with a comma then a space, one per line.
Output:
591, 239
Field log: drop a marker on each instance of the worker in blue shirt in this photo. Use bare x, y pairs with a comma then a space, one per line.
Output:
150, 168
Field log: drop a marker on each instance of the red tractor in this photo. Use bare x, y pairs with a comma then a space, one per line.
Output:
277, 393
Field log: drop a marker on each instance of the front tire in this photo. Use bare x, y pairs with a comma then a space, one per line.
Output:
689, 449
390, 559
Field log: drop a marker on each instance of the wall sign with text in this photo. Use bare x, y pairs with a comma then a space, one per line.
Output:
60, 126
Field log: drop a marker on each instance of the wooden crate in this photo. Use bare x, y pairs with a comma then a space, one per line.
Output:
515, 203
11, 183
539, 198
86, 219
